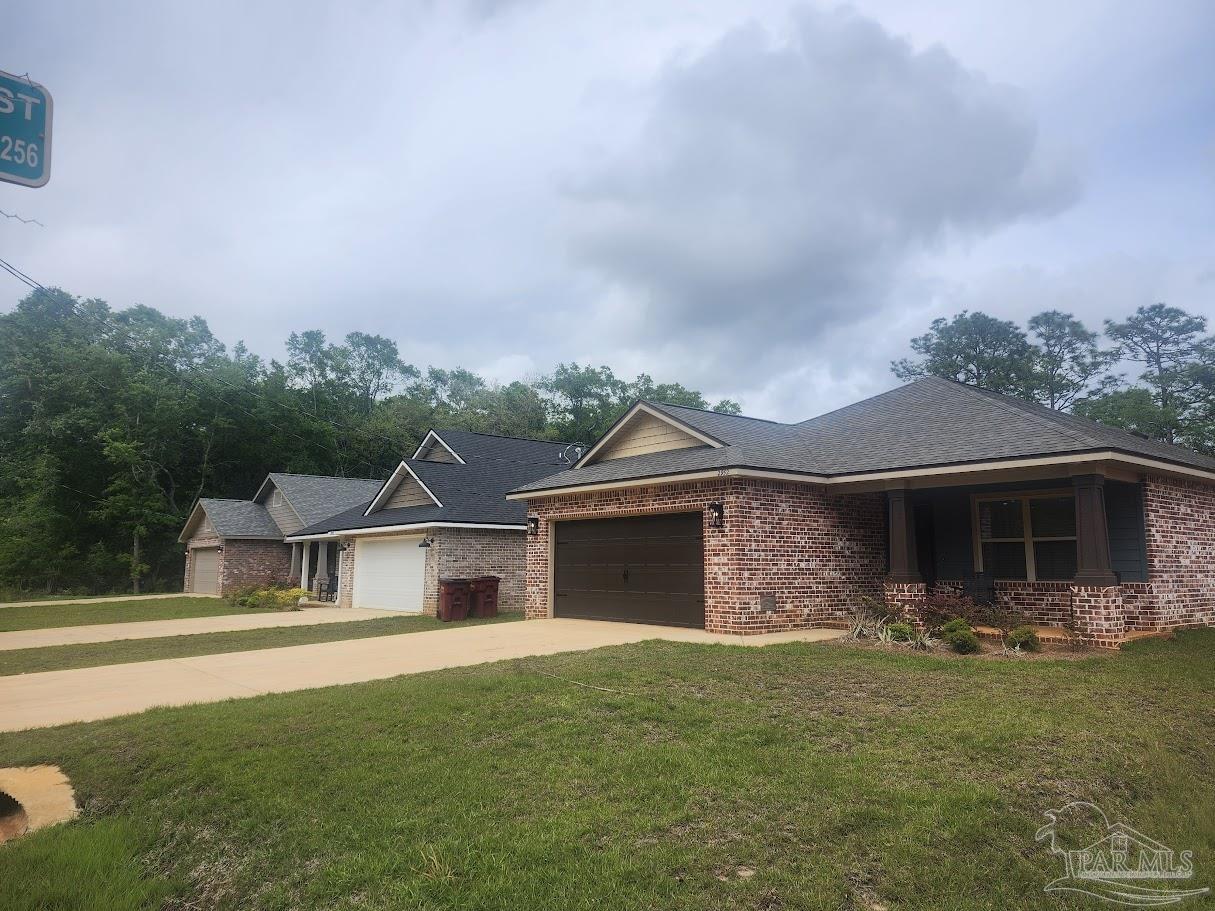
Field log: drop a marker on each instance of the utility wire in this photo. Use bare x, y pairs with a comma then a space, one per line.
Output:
181, 373
24, 221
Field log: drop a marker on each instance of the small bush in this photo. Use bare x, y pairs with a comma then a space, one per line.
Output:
1025, 638
958, 635
901, 632
941, 607
270, 598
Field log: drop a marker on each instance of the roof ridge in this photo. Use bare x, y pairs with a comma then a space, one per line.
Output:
745, 417
503, 436
864, 401
327, 477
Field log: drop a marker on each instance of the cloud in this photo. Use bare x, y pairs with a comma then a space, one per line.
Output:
778, 186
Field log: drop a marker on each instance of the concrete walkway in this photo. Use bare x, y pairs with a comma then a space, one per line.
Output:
106, 600
87, 694
189, 626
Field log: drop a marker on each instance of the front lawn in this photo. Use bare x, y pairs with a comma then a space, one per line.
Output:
797, 776
43, 616
63, 657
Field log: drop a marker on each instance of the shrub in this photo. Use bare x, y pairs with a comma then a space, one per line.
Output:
941, 607
269, 598
1024, 637
958, 635
901, 632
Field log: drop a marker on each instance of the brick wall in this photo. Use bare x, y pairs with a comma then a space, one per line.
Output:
466, 552
816, 553
345, 596
1180, 521
247, 562
1043, 603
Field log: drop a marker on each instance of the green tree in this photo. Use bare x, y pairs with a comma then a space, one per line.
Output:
1067, 363
1167, 343
973, 348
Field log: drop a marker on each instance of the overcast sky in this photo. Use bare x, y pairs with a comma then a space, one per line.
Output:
761, 200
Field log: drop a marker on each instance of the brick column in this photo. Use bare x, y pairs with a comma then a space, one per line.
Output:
536, 599
905, 599
1097, 615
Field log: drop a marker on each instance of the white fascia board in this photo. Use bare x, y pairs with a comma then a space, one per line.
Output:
431, 435
413, 526
624, 419
391, 484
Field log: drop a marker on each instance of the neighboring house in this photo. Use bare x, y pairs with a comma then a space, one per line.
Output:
231, 544
692, 518
442, 513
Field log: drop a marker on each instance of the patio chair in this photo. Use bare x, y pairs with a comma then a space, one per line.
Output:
327, 591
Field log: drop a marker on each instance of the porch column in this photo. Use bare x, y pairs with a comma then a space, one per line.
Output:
903, 563
322, 564
307, 552
1092, 533
295, 561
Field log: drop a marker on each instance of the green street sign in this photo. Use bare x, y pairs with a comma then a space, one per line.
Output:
25, 131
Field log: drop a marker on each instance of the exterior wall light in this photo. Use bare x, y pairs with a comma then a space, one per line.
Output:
427, 542
717, 515
220, 549
533, 526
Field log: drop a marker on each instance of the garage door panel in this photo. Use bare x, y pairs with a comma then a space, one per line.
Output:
204, 580
647, 569
389, 574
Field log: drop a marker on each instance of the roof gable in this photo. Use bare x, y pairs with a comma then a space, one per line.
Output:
234, 519
403, 488
645, 429
434, 449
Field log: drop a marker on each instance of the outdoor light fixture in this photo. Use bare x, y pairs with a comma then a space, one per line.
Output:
533, 525
342, 547
427, 542
717, 515
220, 549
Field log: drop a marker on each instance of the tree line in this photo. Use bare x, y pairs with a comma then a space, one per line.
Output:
114, 422
1152, 373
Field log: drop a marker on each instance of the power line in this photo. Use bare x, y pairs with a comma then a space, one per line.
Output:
178, 373
346, 428
24, 221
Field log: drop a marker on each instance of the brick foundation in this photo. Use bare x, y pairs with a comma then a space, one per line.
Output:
817, 553
1097, 615
906, 599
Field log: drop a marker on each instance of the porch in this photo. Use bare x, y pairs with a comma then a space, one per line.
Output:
315, 567
1067, 552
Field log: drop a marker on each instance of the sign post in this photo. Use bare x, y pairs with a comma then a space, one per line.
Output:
25, 131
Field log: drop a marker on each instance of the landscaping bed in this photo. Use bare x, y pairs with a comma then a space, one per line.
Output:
657, 775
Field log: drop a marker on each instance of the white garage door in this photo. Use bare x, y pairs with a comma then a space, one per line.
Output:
389, 573
205, 578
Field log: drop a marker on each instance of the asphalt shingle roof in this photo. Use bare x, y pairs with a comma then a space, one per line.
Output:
240, 518
314, 497
926, 423
474, 492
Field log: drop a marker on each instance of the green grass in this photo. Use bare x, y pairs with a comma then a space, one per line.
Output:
63, 657
43, 616
845, 778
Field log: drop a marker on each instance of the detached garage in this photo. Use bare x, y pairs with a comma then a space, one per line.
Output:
390, 573
644, 569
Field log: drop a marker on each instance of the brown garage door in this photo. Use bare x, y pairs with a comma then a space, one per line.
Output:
648, 569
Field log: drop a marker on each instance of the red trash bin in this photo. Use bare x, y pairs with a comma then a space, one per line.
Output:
453, 599
484, 592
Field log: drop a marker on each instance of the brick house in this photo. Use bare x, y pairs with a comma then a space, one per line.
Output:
443, 512
738, 525
232, 544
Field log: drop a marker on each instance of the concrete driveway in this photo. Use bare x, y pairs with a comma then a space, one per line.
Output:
88, 694
189, 626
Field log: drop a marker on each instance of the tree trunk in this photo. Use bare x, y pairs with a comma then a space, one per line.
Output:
135, 563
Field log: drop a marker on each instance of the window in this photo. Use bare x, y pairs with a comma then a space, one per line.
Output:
1028, 536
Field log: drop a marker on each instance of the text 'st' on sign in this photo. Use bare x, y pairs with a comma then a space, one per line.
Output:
25, 131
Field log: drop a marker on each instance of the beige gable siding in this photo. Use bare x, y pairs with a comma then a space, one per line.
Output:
645, 433
436, 452
203, 531
282, 514
408, 493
